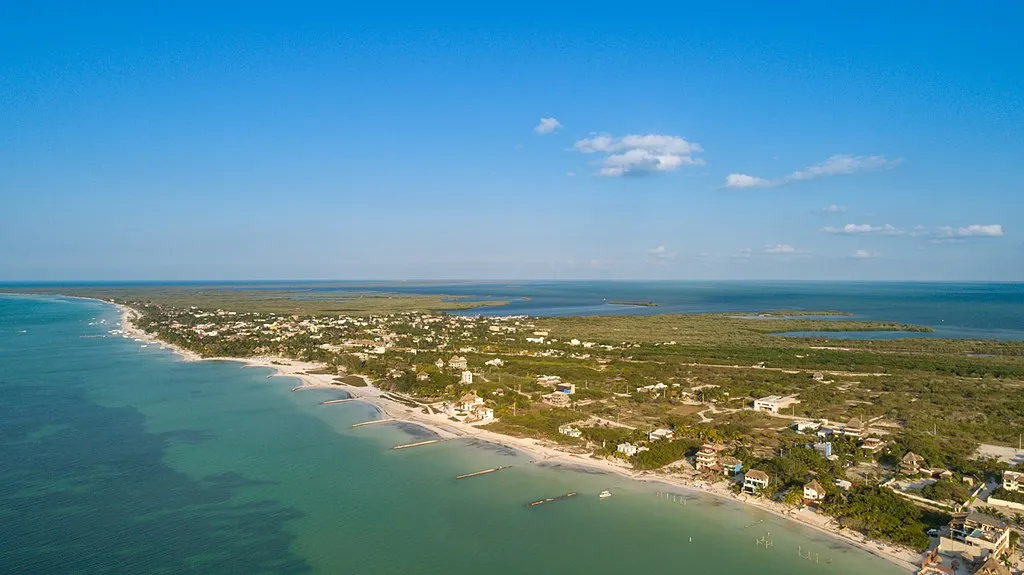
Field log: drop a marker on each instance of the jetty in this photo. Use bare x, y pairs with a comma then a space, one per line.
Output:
484, 472
333, 401
374, 422
540, 502
417, 444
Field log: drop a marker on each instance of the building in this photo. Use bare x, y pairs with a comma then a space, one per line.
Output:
458, 362
468, 402
480, 414
568, 388
818, 376
976, 536
814, 492
824, 448
755, 481
774, 403
496, 362
730, 465
422, 376
439, 363
872, 445
549, 380
569, 430
660, 434
557, 399
1012, 480
992, 566
843, 484
853, 428
911, 463
467, 378
805, 425
709, 458
629, 450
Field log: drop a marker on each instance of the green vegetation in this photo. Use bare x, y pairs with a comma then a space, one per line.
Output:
882, 514
1014, 496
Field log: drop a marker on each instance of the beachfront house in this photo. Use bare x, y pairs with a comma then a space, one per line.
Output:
467, 378
708, 458
911, 463
730, 465
629, 450
976, 536
468, 402
557, 399
992, 566
774, 403
480, 414
458, 362
1012, 480
814, 492
755, 481
569, 430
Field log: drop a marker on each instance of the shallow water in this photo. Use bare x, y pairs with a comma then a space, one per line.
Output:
118, 458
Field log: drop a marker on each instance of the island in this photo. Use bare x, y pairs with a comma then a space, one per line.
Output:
888, 438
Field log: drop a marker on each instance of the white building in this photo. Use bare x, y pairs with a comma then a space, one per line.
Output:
467, 378
569, 430
496, 362
660, 434
1012, 480
774, 403
754, 481
629, 450
813, 491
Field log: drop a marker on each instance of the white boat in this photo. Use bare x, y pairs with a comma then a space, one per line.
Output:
605, 494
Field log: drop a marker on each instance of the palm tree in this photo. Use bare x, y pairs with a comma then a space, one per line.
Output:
1018, 518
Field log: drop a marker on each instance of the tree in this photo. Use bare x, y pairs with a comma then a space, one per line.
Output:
794, 495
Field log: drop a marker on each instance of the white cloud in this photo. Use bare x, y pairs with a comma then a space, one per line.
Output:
851, 229
973, 230
864, 255
640, 154
779, 249
745, 181
571, 174
836, 165
844, 164
547, 125
834, 209
661, 253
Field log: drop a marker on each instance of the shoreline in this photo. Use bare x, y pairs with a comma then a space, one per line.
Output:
536, 449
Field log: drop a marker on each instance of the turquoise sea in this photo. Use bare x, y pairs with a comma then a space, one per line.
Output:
118, 458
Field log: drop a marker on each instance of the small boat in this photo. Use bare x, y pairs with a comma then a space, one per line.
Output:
605, 494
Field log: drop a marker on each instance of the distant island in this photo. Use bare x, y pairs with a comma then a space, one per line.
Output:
636, 303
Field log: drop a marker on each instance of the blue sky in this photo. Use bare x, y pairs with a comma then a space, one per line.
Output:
701, 141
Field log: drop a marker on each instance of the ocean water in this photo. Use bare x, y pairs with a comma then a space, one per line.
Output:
957, 310
117, 458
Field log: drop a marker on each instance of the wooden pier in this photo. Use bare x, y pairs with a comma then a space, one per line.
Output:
374, 422
484, 472
540, 502
417, 444
333, 401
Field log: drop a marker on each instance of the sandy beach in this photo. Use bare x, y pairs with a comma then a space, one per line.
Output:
540, 451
